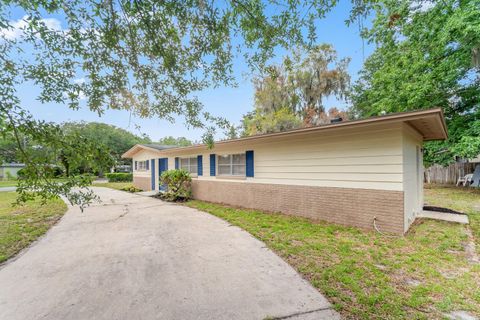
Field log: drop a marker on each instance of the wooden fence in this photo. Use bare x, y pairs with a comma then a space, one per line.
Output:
449, 174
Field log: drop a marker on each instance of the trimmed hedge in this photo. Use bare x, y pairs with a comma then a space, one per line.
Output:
119, 177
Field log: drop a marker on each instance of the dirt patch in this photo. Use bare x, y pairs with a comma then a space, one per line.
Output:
470, 249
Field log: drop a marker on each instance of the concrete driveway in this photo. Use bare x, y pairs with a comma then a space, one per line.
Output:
7, 189
134, 257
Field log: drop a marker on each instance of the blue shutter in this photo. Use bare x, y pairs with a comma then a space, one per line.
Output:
136, 165
153, 173
200, 165
213, 166
249, 163
163, 165
177, 164
146, 165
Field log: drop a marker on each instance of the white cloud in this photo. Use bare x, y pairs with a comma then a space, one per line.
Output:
81, 96
17, 27
79, 81
422, 5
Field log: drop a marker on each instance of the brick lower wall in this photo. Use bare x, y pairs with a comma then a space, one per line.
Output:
142, 183
351, 207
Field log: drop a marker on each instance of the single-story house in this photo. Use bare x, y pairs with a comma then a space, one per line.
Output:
347, 172
10, 170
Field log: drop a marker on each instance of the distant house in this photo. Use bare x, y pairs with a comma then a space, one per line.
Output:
347, 172
10, 170
122, 168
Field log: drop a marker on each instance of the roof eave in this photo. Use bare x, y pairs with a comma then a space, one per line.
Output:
402, 117
398, 117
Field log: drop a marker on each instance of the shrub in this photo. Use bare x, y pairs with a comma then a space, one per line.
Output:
9, 175
131, 188
21, 173
179, 185
57, 172
119, 177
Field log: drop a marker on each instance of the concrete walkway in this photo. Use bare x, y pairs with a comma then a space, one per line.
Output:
7, 189
134, 257
444, 216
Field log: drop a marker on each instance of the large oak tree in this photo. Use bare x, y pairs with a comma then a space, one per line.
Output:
427, 55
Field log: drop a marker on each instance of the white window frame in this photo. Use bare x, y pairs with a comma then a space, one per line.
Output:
231, 165
189, 165
142, 165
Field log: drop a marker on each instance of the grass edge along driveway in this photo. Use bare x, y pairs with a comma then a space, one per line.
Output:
113, 185
424, 275
23, 224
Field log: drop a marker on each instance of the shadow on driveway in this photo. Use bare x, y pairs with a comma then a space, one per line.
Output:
135, 257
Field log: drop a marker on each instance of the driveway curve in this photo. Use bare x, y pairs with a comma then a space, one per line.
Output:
135, 257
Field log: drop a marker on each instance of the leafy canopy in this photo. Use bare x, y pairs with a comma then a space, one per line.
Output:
172, 141
427, 56
291, 95
115, 140
148, 57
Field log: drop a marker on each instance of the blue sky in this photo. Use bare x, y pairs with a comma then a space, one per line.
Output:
231, 103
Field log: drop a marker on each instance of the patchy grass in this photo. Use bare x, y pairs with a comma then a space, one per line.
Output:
8, 183
113, 185
367, 276
461, 199
21, 225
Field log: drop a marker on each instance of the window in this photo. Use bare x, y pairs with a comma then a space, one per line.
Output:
231, 165
189, 164
142, 165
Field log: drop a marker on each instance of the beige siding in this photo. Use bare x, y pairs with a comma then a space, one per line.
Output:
171, 163
366, 158
359, 158
143, 175
412, 174
383, 162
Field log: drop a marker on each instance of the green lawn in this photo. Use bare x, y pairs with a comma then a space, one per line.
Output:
113, 185
8, 183
465, 200
13, 183
367, 276
21, 225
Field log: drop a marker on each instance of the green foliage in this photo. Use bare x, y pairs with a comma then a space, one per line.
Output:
179, 187
172, 141
426, 56
115, 140
9, 175
53, 145
21, 225
302, 81
368, 276
119, 177
291, 95
468, 145
147, 57
258, 122
8, 148
131, 188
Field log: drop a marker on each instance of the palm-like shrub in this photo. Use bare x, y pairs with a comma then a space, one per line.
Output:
178, 183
